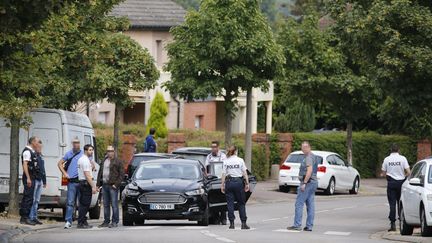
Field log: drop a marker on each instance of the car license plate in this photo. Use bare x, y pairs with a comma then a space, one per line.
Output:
162, 206
4, 181
295, 178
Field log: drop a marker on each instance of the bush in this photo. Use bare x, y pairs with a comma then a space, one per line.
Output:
299, 117
158, 114
260, 162
369, 149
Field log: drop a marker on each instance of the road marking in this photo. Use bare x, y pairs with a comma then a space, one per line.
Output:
223, 239
192, 227
335, 209
337, 233
287, 217
323, 211
273, 219
141, 228
286, 231
239, 229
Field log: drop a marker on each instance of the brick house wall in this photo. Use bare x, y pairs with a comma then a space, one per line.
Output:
204, 111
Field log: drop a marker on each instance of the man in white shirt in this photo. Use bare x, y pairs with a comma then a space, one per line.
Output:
396, 168
214, 157
87, 187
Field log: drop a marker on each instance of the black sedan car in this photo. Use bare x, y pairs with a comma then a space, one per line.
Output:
172, 189
167, 189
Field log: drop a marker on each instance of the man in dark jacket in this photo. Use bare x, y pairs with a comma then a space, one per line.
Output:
110, 176
39, 182
150, 145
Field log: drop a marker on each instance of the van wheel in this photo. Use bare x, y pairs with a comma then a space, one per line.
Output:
94, 212
2, 208
425, 229
405, 229
356, 186
331, 187
205, 218
64, 212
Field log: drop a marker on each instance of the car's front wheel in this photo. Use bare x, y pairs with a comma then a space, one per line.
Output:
205, 218
425, 229
127, 219
356, 186
331, 187
405, 229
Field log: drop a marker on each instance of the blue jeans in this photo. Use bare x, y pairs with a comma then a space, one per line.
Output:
307, 197
110, 199
36, 198
72, 196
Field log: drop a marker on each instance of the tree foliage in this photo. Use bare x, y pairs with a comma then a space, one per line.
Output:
298, 117
158, 114
225, 47
393, 46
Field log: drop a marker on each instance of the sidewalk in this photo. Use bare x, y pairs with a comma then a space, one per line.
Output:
396, 236
10, 227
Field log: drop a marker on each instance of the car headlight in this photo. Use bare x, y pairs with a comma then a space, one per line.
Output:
429, 197
196, 192
132, 190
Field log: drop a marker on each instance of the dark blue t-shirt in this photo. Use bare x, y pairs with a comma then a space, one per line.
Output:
150, 145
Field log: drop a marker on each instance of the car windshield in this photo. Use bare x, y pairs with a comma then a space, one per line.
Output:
200, 158
298, 158
138, 159
167, 170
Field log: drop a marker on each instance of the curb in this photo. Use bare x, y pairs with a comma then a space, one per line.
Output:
400, 238
14, 231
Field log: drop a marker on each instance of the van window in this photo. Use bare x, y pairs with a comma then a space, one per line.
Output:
50, 141
88, 140
5, 136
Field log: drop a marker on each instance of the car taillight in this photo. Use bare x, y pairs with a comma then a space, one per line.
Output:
285, 167
64, 181
322, 169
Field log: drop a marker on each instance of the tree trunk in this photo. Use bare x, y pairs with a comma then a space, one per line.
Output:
14, 167
248, 142
349, 141
116, 130
228, 106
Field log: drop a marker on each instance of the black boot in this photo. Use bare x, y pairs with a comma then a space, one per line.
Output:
392, 227
244, 226
231, 225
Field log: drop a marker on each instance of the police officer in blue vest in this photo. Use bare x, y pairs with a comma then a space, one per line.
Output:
235, 183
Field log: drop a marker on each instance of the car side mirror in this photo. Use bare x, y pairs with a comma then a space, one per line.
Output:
415, 182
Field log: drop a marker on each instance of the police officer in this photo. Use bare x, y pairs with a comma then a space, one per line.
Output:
216, 156
31, 171
396, 168
235, 183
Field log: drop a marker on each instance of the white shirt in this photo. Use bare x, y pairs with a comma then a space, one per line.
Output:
220, 157
234, 166
84, 165
395, 165
27, 155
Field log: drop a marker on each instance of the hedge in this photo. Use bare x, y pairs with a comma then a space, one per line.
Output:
369, 148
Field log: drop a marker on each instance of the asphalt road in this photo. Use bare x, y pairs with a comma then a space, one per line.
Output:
340, 218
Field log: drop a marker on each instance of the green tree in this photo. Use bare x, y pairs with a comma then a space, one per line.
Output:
298, 117
129, 68
392, 43
320, 72
225, 47
158, 114
24, 70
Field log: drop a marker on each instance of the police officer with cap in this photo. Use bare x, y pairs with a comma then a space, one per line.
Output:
235, 183
216, 156
396, 168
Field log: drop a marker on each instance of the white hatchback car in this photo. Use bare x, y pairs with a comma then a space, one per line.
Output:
416, 200
334, 174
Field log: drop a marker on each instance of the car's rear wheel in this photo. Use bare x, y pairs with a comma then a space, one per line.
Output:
405, 229
205, 218
425, 229
284, 188
127, 219
331, 187
356, 186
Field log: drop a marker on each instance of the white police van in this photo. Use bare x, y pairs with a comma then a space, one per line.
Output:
56, 129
